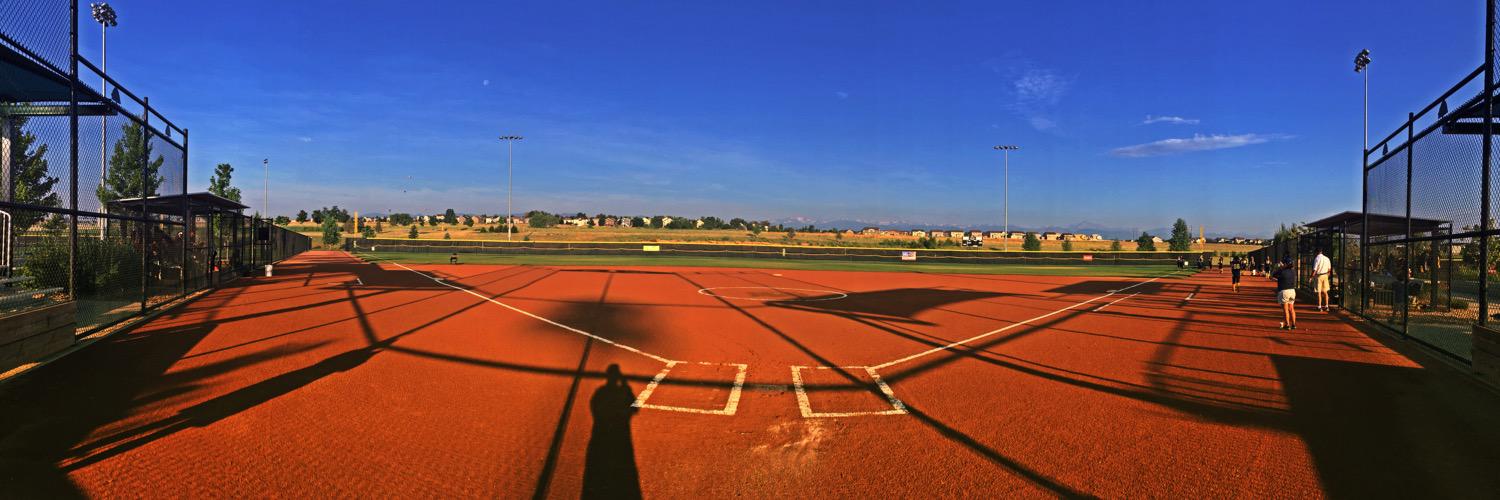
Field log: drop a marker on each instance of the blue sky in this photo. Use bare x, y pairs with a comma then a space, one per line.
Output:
1237, 116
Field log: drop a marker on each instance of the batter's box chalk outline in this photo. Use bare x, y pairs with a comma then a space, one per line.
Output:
731, 405
805, 404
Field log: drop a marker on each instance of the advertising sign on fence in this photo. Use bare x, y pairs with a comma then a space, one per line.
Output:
1088, 257
651, 248
908, 255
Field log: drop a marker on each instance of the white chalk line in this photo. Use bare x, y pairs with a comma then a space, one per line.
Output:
833, 295
1190, 296
640, 402
804, 403
731, 404
1101, 308
539, 318
1007, 328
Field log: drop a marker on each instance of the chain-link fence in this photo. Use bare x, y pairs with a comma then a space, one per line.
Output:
93, 181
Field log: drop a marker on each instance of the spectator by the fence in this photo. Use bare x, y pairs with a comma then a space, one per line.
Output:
1322, 267
1286, 293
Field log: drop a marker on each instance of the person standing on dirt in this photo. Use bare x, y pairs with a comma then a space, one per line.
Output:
1235, 266
1286, 293
1322, 268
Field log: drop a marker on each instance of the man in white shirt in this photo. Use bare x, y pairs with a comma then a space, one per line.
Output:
1321, 268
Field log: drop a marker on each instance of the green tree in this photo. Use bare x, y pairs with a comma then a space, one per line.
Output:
400, 219
219, 183
1145, 243
1067, 246
32, 184
301, 216
413, 233
1114, 246
369, 232
282, 220
447, 236
1182, 237
637, 222
468, 221
130, 174
331, 234
1031, 243
755, 229
450, 217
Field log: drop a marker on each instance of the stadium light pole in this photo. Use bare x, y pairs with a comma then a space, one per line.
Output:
1362, 65
1007, 148
105, 16
510, 158
266, 189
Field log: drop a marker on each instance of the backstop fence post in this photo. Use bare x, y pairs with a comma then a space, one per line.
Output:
1484, 182
73, 149
144, 230
1406, 274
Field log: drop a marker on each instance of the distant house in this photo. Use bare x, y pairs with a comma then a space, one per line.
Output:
1016, 235
625, 222
1096, 237
870, 230
919, 233
576, 221
848, 231
891, 232
994, 235
1156, 239
1051, 236
666, 221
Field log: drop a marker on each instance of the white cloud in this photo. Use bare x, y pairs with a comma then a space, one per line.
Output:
305, 139
1040, 87
1036, 92
1197, 142
1042, 123
485, 83
1174, 120
841, 94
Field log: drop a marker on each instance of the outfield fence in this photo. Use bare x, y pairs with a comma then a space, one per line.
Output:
94, 205
766, 252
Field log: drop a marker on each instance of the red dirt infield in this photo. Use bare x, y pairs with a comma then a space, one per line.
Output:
343, 378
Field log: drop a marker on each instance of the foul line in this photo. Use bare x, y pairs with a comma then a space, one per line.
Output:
1006, 328
669, 362
1101, 308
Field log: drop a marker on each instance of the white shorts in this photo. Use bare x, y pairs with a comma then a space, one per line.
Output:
1286, 297
1321, 283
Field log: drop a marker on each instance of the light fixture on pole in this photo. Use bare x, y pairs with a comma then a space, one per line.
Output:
510, 141
1007, 148
105, 16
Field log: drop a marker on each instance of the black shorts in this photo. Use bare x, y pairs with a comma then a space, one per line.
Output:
1234, 276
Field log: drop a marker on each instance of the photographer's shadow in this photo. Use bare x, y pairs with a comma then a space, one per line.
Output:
609, 466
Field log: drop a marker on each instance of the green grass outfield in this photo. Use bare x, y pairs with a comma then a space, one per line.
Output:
819, 265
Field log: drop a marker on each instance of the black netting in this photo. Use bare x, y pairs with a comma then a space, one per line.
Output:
39, 27
1446, 171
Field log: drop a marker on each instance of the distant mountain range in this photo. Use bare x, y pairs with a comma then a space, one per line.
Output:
1085, 227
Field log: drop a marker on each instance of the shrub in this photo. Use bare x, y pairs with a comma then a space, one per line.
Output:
1144, 243
1114, 246
1067, 246
413, 233
331, 234
104, 267
1031, 243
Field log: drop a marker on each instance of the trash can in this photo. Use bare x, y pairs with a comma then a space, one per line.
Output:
268, 270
